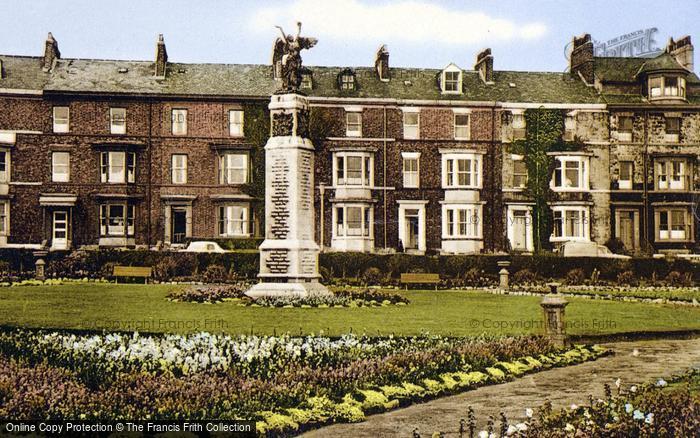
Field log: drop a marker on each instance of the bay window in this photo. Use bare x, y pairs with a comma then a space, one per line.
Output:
352, 220
672, 174
570, 223
353, 169
233, 220
461, 171
673, 224
118, 167
570, 173
233, 168
462, 221
667, 87
116, 219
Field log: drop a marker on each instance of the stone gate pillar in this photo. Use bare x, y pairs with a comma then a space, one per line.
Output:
289, 253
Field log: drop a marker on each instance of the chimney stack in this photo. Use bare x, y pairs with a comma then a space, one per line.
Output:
381, 63
581, 62
161, 58
484, 65
51, 53
682, 50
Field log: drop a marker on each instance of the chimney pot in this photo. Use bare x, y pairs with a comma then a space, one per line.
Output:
161, 58
682, 50
581, 63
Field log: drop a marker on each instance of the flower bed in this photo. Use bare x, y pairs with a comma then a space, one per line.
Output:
286, 384
656, 409
236, 292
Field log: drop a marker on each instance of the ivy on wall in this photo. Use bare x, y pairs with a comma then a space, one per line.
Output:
544, 129
256, 127
322, 124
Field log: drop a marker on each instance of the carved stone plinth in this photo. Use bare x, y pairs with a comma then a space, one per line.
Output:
289, 253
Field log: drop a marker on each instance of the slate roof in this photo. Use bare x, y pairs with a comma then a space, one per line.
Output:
615, 69
246, 80
22, 73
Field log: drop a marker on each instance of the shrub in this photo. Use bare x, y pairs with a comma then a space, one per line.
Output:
524, 276
208, 293
615, 245
575, 276
164, 269
215, 274
107, 270
627, 278
372, 276
326, 274
675, 278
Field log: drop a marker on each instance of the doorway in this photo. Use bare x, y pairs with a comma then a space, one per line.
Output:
60, 230
178, 226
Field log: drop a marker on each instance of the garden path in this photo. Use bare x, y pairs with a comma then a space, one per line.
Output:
562, 386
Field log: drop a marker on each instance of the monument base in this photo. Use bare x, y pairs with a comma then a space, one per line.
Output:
304, 289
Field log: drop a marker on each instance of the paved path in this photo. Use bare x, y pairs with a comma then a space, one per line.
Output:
562, 386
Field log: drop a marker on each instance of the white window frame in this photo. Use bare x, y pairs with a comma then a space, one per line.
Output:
451, 69
178, 121
356, 125
664, 92
462, 221
126, 228
581, 234
519, 124
233, 220
235, 122
178, 168
411, 178
570, 126
228, 168
674, 136
411, 131
117, 120
341, 228
582, 171
671, 234
61, 124
671, 174
519, 159
110, 173
5, 166
347, 81
510, 226
626, 184
60, 172
458, 129
4, 218
340, 165
451, 172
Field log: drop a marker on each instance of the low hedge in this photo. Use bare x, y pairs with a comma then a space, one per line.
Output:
356, 267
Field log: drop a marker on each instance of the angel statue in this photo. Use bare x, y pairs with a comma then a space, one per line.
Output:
291, 47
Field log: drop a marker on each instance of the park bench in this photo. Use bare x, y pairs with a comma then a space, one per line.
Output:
132, 271
420, 278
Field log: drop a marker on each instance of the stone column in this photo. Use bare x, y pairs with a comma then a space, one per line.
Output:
289, 253
503, 274
553, 307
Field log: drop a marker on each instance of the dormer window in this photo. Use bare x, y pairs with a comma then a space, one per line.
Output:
666, 87
451, 79
346, 80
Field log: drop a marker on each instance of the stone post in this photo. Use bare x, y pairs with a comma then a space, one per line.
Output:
289, 253
39, 269
503, 274
553, 307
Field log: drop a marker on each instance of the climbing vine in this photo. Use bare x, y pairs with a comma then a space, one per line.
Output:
256, 125
544, 128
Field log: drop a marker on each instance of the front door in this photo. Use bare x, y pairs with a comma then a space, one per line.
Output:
519, 238
626, 219
179, 225
60, 230
412, 230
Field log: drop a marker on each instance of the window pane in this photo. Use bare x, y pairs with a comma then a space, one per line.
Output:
60, 166
117, 120
116, 167
354, 221
236, 122
572, 174
354, 170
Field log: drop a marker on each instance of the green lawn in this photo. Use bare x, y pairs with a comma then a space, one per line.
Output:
144, 308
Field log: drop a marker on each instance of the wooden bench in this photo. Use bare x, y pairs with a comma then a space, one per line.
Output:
420, 279
132, 271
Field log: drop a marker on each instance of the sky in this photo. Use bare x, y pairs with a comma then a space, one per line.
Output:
523, 35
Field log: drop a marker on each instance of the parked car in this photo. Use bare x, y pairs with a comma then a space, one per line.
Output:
204, 246
588, 249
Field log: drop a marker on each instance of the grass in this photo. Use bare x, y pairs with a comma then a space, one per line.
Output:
684, 294
110, 307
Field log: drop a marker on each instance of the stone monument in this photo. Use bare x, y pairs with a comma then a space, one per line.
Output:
289, 253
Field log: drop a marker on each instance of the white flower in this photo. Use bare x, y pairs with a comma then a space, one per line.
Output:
483, 434
521, 427
629, 408
633, 388
511, 430
649, 418
638, 415
574, 407
618, 382
661, 382
635, 352
529, 412
569, 427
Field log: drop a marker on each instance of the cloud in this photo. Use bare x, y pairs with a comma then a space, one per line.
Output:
407, 20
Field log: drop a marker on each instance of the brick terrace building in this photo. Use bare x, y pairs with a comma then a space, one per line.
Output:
136, 153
